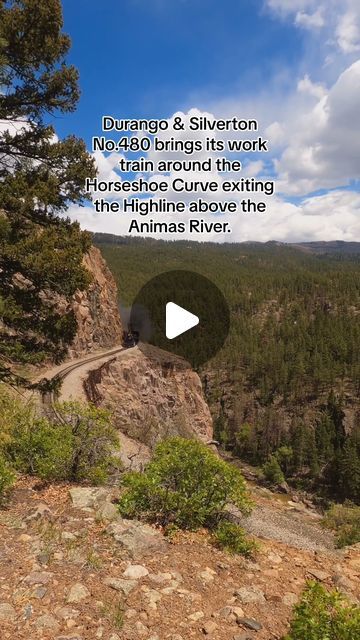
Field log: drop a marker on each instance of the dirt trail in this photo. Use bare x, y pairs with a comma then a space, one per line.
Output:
73, 374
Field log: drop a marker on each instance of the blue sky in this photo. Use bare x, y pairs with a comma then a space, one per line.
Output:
293, 64
143, 58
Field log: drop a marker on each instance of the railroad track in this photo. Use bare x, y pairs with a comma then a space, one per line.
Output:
50, 398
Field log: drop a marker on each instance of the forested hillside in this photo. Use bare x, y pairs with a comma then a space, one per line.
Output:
287, 381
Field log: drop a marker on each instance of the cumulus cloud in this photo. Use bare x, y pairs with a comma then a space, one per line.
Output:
324, 147
333, 216
348, 32
307, 163
305, 85
314, 141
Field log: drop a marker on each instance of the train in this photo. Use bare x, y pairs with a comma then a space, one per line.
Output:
130, 338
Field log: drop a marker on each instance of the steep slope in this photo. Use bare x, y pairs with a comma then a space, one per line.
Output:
96, 310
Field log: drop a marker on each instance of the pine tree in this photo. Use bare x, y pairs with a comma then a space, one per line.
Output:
41, 251
349, 470
336, 414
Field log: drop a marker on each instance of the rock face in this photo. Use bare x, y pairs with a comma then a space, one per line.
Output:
152, 397
96, 310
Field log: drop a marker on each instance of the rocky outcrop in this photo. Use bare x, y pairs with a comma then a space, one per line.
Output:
96, 309
152, 397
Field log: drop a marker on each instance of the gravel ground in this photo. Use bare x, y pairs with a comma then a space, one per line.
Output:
294, 529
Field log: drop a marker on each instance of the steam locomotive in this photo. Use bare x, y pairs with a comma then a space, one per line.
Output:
130, 338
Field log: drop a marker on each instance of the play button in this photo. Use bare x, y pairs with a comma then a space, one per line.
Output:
181, 312
178, 320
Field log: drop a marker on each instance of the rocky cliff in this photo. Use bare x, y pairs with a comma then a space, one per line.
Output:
96, 310
151, 396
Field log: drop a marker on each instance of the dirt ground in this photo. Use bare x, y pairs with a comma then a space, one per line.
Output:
52, 553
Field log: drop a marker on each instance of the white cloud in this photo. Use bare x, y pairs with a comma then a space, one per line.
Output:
305, 85
348, 32
324, 145
313, 134
339, 21
315, 147
310, 20
333, 216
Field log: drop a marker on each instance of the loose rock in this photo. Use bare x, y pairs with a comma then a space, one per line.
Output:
38, 577
89, 497
7, 611
78, 593
119, 584
209, 628
138, 538
47, 622
319, 575
41, 511
207, 575
247, 595
194, 617
250, 623
141, 629
135, 572
290, 599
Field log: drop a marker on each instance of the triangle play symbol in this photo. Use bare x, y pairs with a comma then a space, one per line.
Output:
178, 320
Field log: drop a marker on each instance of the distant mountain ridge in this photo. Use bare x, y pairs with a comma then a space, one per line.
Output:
316, 247
334, 246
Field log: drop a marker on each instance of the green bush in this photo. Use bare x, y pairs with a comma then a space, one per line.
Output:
185, 484
344, 519
78, 447
94, 441
13, 413
41, 448
324, 615
7, 478
272, 471
231, 538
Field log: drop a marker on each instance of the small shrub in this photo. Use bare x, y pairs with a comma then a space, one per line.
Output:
7, 478
41, 448
94, 441
324, 615
79, 447
231, 538
344, 519
272, 471
185, 484
13, 413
